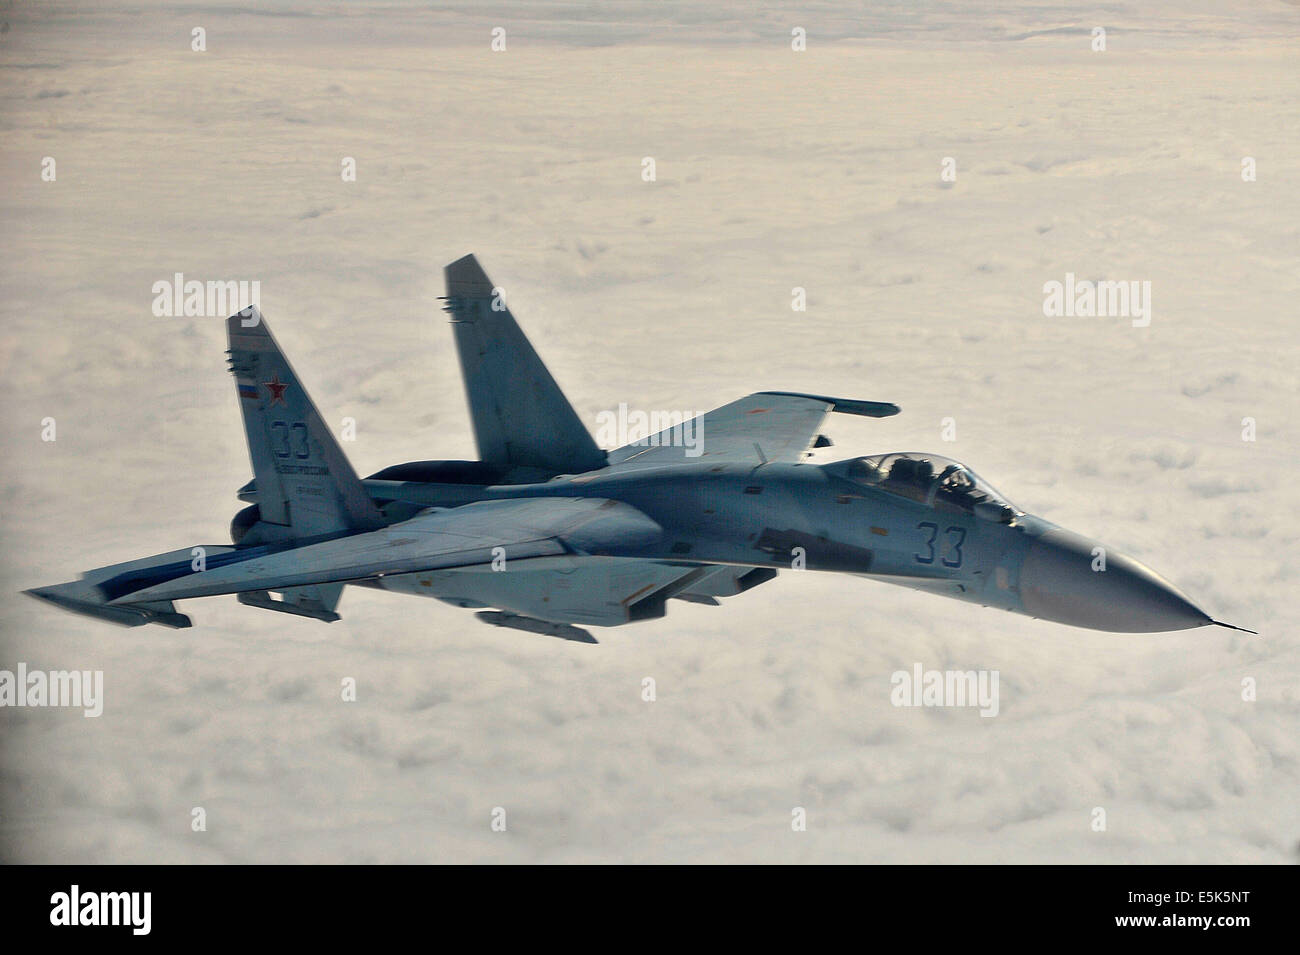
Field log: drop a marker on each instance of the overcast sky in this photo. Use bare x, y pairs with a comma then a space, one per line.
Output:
774, 169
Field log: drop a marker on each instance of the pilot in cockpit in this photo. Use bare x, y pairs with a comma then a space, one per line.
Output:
954, 488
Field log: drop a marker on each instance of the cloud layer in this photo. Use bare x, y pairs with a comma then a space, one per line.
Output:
819, 170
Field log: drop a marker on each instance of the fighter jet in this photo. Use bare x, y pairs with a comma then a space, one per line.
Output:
547, 533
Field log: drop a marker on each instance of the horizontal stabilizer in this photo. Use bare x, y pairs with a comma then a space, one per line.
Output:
89, 595
126, 615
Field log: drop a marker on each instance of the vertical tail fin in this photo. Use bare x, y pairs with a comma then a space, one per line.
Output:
521, 418
304, 481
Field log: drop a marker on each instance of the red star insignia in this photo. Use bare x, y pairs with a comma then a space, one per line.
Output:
758, 411
277, 388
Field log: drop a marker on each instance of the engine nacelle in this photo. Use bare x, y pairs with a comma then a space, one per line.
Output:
243, 522
441, 472
247, 528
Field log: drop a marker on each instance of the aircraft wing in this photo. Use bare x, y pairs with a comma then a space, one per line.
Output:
769, 425
457, 537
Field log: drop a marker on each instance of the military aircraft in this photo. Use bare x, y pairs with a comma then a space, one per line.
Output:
547, 532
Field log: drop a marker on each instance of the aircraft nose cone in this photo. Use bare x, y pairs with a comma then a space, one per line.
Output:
1057, 582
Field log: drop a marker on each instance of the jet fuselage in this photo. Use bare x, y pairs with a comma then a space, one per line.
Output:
814, 517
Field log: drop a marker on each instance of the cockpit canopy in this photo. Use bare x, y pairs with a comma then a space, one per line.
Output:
932, 480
